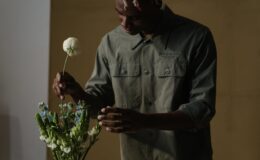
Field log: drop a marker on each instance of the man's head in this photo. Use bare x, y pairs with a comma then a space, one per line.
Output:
138, 15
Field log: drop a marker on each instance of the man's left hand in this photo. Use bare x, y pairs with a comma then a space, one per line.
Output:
119, 120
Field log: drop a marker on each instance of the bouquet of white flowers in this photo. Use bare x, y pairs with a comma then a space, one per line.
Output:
67, 133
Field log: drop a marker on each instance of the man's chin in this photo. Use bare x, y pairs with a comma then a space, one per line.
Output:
131, 32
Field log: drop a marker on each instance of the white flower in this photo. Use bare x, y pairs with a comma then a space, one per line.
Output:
71, 46
93, 131
42, 138
67, 149
48, 140
41, 104
52, 146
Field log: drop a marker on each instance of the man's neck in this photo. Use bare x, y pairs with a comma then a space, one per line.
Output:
154, 26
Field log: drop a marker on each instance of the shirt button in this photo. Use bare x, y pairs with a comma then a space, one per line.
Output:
137, 102
167, 71
123, 71
146, 71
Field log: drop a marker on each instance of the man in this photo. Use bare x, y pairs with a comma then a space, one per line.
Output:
158, 71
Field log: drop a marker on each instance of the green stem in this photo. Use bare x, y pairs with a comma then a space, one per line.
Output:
55, 155
90, 145
64, 66
63, 71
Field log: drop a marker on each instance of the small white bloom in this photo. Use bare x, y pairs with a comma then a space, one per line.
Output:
42, 138
41, 103
71, 46
93, 131
67, 149
48, 140
52, 146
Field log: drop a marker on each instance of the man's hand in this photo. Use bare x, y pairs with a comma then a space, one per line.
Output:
66, 85
120, 120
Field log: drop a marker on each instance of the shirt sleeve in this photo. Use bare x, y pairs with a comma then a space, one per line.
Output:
202, 78
99, 84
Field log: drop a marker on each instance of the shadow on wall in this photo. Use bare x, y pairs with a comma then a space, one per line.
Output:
10, 148
5, 133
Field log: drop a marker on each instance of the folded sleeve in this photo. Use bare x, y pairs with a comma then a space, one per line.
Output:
202, 78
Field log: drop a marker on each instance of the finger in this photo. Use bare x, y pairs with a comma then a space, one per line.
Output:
62, 97
110, 116
118, 129
56, 84
109, 109
62, 86
111, 124
58, 91
58, 77
103, 110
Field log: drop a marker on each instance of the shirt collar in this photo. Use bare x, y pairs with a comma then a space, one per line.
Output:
167, 23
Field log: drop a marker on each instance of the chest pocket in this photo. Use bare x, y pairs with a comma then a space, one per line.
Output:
171, 66
124, 70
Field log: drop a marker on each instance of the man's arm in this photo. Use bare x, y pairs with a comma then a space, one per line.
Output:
98, 90
124, 120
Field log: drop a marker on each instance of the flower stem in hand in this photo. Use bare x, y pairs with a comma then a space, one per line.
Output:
64, 66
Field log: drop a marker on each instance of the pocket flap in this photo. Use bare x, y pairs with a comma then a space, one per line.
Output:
124, 70
174, 67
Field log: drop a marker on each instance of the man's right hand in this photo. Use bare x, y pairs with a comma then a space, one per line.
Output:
66, 85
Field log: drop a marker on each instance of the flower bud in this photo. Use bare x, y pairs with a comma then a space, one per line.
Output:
67, 149
71, 46
42, 138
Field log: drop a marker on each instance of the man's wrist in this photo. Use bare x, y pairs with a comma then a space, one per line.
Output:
147, 121
78, 94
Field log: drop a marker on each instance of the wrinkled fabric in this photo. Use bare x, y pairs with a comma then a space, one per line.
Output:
175, 70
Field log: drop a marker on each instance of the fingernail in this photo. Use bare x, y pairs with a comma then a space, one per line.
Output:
100, 123
108, 129
100, 117
103, 110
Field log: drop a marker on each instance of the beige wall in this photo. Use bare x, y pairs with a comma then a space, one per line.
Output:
236, 28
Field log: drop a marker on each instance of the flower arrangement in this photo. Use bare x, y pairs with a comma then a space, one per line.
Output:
67, 133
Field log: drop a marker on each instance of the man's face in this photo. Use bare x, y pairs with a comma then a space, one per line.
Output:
132, 19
